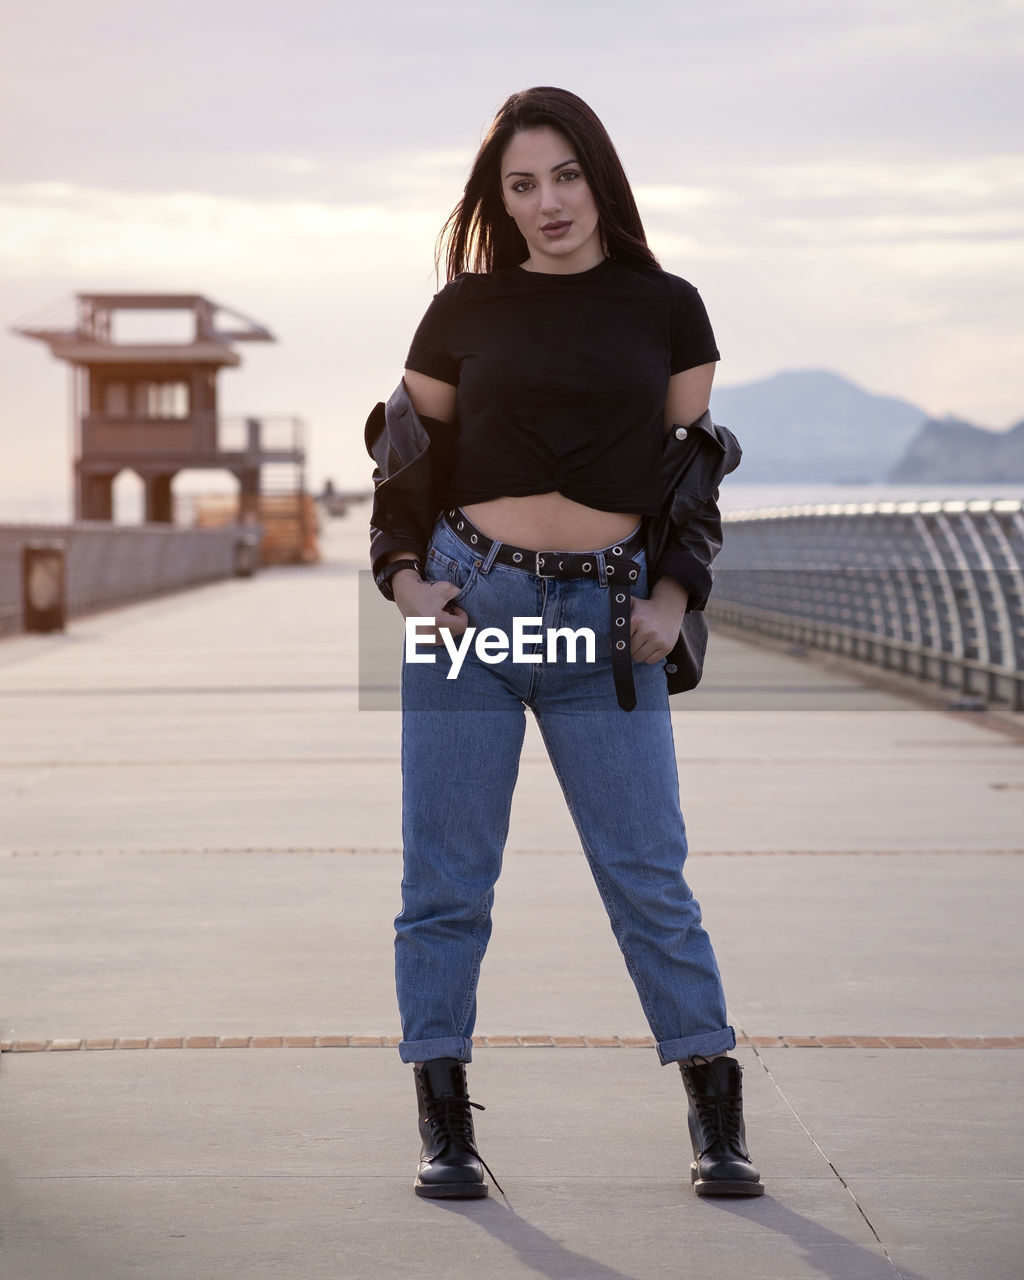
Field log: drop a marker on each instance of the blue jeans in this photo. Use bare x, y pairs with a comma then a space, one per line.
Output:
461, 741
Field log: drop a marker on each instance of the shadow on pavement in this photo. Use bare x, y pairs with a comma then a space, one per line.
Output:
533, 1247
810, 1236
833, 1255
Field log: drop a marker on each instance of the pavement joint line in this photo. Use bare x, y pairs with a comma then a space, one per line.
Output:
828, 1160
113, 691
392, 851
518, 1041
165, 762
786, 762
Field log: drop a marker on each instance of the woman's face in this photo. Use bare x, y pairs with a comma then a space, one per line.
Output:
545, 191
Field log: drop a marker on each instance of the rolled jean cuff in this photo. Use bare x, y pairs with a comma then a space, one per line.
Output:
448, 1047
702, 1046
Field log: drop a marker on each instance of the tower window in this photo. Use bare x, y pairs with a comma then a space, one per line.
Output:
161, 399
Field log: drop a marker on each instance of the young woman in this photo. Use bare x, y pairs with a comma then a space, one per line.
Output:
520, 472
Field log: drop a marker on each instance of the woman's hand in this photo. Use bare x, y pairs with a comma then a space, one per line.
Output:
654, 624
418, 599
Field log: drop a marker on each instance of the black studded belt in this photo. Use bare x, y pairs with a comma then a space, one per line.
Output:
621, 571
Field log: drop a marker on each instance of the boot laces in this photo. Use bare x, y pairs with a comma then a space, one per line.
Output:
719, 1119
450, 1118
719, 1114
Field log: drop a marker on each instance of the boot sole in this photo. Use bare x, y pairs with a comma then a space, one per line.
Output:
706, 1188
451, 1190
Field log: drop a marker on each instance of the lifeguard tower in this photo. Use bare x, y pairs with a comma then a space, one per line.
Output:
151, 406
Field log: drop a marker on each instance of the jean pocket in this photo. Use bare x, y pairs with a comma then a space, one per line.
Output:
442, 568
466, 586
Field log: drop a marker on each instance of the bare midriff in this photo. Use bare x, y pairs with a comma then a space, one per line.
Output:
550, 522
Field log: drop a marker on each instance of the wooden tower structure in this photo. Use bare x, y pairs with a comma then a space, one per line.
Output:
151, 406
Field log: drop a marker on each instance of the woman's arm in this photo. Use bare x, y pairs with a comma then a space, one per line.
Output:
431, 397
689, 394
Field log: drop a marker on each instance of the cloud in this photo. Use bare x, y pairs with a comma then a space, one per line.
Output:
942, 228
51, 228
983, 193
947, 210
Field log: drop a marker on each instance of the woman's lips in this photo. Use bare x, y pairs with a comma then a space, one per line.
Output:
555, 229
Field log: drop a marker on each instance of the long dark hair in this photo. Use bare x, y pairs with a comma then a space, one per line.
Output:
480, 236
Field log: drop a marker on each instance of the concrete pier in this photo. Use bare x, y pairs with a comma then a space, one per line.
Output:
200, 862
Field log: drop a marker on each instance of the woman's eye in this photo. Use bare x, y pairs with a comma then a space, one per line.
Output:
568, 174
520, 187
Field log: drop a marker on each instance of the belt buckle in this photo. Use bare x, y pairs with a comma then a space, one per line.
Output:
538, 560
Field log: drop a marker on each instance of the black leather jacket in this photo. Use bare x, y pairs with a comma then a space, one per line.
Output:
682, 540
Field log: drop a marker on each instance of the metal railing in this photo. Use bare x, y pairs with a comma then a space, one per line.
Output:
280, 433
106, 565
930, 589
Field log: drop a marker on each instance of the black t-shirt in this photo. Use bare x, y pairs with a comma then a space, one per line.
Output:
562, 379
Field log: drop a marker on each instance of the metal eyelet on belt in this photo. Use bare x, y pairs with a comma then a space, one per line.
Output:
620, 599
586, 566
620, 622
473, 538
632, 574
461, 525
609, 570
621, 644
517, 556
451, 515
616, 551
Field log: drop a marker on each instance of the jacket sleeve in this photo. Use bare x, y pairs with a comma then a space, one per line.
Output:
688, 532
410, 479
694, 539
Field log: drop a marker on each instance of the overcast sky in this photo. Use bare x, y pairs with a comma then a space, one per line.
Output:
844, 182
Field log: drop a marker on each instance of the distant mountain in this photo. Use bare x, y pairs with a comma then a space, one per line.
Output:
951, 450
815, 426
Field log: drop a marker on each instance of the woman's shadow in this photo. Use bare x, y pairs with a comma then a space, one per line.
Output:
831, 1254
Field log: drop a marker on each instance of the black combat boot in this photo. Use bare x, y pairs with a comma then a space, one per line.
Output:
450, 1165
721, 1162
